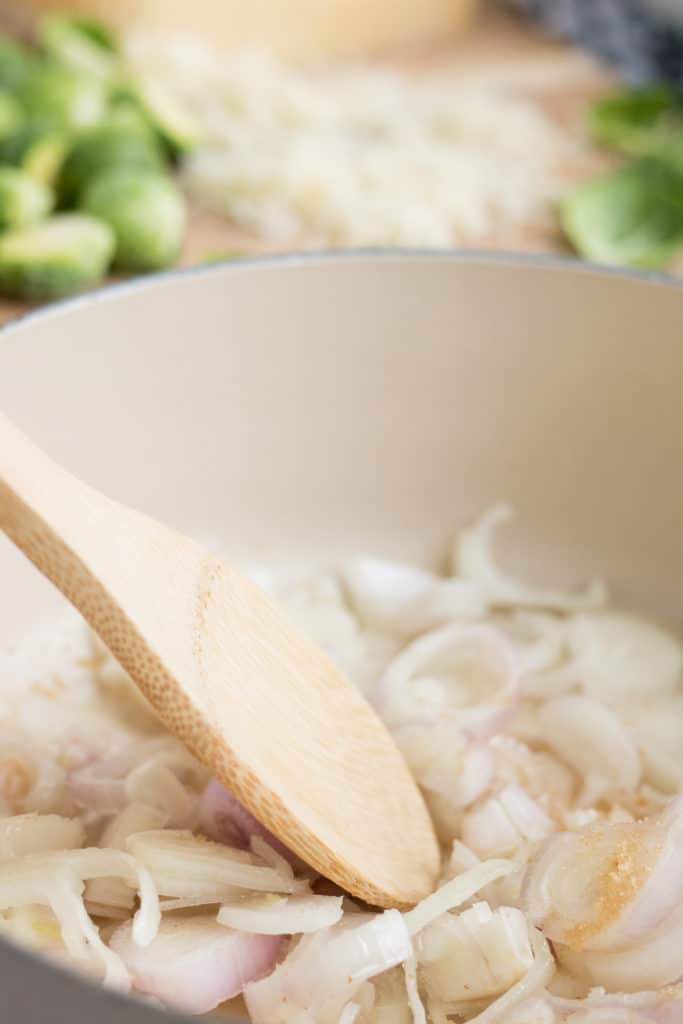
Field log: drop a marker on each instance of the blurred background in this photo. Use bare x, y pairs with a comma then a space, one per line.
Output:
141, 134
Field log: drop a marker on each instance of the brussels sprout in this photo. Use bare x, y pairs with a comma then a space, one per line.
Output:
17, 64
36, 148
55, 257
147, 214
172, 122
122, 140
64, 98
11, 115
632, 217
81, 43
23, 200
636, 121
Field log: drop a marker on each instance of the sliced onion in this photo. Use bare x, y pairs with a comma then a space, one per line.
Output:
153, 783
541, 639
652, 963
414, 1001
36, 833
327, 968
389, 1004
535, 981
476, 954
590, 738
316, 604
610, 886
80, 935
405, 600
289, 915
456, 892
113, 894
194, 964
223, 818
545, 778
187, 866
499, 825
620, 658
657, 727
443, 761
350, 1013
35, 926
660, 1007
56, 880
536, 1010
101, 784
31, 778
469, 673
474, 561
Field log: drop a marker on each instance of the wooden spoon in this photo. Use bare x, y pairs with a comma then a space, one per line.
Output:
260, 705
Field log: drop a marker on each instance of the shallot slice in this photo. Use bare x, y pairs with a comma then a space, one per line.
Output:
324, 972
501, 824
608, 887
223, 818
100, 785
473, 561
476, 954
468, 673
281, 915
589, 737
406, 600
38, 833
194, 963
652, 963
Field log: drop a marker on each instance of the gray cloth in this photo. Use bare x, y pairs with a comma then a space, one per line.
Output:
634, 35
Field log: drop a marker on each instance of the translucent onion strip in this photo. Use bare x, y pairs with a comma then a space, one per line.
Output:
185, 865
326, 969
289, 915
474, 561
535, 981
111, 895
469, 673
405, 600
37, 833
456, 892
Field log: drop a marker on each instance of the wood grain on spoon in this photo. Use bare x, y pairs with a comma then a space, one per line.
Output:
257, 702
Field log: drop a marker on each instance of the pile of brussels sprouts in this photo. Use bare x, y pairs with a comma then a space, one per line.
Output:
86, 160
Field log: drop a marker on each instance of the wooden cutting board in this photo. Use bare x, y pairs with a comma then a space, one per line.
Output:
502, 47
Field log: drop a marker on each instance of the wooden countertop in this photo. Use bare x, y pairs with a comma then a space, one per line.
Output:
502, 47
